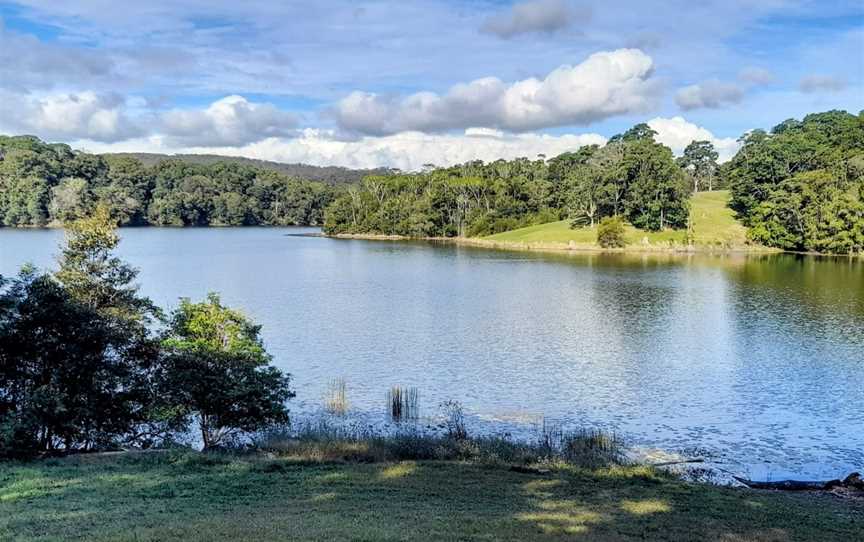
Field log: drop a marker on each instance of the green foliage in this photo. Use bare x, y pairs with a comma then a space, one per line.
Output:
94, 276
632, 175
700, 163
43, 184
70, 378
801, 186
81, 369
215, 370
610, 233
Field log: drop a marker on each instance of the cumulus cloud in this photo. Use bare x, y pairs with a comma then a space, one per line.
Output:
604, 85
408, 151
822, 83
676, 133
233, 120
756, 76
712, 94
98, 117
535, 16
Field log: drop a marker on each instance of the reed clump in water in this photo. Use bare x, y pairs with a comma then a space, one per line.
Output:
585, 446
336, 401
403, 403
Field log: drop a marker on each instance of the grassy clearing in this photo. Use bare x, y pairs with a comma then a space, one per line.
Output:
189, 496
714, 224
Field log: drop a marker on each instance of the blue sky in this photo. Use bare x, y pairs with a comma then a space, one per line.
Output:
405, 83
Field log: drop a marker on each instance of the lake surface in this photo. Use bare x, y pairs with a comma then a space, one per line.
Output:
757, 361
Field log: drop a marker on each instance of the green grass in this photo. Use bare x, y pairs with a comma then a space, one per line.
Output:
188, 496
713, 224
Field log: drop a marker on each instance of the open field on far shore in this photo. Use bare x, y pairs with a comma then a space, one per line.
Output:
714, 225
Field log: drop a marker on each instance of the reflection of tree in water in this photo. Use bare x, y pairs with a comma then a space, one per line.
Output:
821, 290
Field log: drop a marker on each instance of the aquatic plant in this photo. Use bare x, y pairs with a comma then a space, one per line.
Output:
336, 400
403, 403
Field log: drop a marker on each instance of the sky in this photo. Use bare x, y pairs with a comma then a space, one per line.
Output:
407, 83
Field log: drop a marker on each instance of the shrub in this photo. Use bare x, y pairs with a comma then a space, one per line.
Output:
610, 233
215, 370
455, 420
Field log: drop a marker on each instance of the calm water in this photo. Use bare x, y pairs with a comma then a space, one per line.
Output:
757, 360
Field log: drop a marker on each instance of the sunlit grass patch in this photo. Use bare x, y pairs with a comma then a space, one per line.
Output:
399, 470
644, 507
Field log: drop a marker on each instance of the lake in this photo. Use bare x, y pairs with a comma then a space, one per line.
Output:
754, 361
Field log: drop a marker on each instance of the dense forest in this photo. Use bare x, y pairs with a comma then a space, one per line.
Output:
44, 184
798, 187
631, 176
801, 185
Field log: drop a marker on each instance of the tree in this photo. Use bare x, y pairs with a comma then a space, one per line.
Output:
700, 161
800, 186
215, 370
656, 195
70, 200
95, 277
70, 379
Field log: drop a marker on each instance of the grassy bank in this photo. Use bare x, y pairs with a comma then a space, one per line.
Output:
714, 226
189, 496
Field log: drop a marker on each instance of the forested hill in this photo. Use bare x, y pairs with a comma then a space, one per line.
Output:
799, 186
326, 174
43, 184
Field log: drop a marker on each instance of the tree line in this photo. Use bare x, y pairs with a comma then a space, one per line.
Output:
799, 186
49, 184
631, 176
87, 363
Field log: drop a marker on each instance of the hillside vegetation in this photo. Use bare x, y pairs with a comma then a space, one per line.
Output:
326, 174
713, 224
799, 186
51, 184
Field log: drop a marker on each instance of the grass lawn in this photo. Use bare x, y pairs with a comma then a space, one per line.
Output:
713, 224
187, 496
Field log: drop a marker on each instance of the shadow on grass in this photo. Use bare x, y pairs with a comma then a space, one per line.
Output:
194, 497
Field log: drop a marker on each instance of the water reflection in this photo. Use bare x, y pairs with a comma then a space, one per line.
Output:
756, 358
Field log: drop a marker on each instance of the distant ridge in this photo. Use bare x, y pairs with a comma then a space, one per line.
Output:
327, 174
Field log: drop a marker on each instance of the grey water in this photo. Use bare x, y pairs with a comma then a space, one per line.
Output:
754, 361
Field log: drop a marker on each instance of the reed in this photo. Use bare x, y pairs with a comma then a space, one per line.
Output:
403, 403
336, 401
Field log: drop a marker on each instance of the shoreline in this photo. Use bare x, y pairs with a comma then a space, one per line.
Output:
573, 247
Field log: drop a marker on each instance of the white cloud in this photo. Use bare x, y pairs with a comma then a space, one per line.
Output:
407, 151
822, 83
233, 120
534, 16
604, 85
711, 94
676, 133
87, 115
